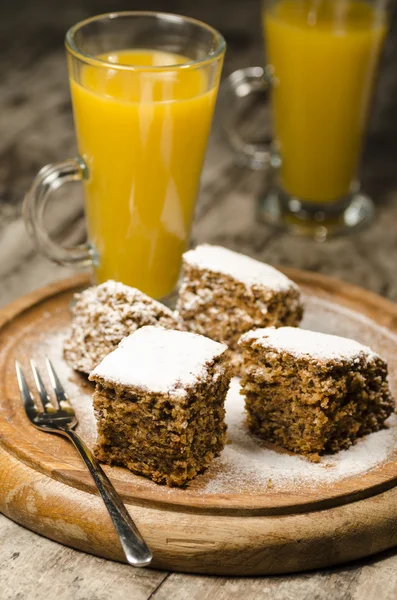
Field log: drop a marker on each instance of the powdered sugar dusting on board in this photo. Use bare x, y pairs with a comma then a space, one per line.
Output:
325, 316
239, 266
159, 360
311, 344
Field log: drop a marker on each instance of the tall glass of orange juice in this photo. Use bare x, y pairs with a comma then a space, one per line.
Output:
143, 90
322, 58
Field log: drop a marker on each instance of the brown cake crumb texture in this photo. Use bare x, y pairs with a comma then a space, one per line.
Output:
312, 406
105, 314
165, 437
223, 307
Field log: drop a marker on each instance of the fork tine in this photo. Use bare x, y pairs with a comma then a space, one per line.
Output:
26, 394
44, 397
60, 394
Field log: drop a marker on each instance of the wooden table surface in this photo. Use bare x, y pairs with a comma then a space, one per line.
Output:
36, 128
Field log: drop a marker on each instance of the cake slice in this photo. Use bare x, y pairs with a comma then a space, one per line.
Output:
159, 404
105, 314
224, 294
311, 392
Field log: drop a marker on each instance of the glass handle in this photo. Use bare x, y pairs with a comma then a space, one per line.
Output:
234, 93
47, 181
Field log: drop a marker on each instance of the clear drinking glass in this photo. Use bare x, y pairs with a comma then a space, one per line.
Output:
143, 89
322, 58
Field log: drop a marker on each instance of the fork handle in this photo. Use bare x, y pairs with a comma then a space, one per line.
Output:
134, 546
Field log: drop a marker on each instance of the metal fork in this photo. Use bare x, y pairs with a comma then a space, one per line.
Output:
61, 419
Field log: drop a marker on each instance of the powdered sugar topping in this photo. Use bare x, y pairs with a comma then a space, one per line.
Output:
116, 300
103, 315
159, 360
239, 266
302, 342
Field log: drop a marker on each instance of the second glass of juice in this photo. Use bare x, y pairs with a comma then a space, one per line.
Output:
322, 56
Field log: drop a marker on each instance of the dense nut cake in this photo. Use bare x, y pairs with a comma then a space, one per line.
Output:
103, 315
224, 294
311, 392
159, 404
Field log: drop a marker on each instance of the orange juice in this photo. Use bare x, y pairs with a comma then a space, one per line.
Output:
142, 134
324, 55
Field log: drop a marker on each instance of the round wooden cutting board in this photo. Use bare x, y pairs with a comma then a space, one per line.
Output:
254, 511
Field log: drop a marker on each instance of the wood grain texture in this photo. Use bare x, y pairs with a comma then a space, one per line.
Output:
63, 573
32, 567
201, 543
46, 488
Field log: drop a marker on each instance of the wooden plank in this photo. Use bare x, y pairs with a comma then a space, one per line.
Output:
373, 579
32, 568
318, 586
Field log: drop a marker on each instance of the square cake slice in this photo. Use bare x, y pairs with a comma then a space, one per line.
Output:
224, 294
159, 404
105, 314
311, 392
